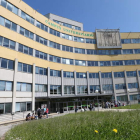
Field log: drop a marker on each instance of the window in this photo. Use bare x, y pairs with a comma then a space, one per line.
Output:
26, 33
55, 89
91, 41
131, 74
67, 61
132, 85
69, 90
129, 62
8, 24
137, 51
67, 48
67, 74
134, 97
6, 85
106, 75
1, 39
120, 86
27, 17
24, 67
81, 75
56, 21
92, 52
118, 74
40, 55
78, 39
126, 41
25, 49
55, 73
41, 26
122, 98
80, 62
41, 40
9, 6
26, 87
8, 64
40, 88
138, 62
5, 108
2, 20
82, 51
105, 63
128, 51
93, 88
77, 28
54, 45
92, 63
67, 25
7, 43
54, 59
65, 36
82, 90
23, 106
41, 71
135, 40
93, 75
108, 87
117, 63
115, 52
54, 32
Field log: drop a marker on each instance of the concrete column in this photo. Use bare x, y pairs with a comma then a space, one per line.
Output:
14, 86
19, 12
48, 81
33, 89
126, 81
17, 44
34, 38
62, 83
138, 78
100, 80
60, 34
88, 83
18, 29
114, 85
48, 29
47, 57
48, 43
60, 47
35, 22
73, 62
86, 63
75, 84
34, 52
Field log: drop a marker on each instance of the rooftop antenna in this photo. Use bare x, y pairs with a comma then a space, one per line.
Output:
128, 34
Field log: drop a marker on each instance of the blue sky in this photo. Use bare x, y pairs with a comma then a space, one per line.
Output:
94, 14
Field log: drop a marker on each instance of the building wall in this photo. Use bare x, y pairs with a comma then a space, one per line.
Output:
15, 76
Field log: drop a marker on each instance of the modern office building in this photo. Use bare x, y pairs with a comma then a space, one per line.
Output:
49, 60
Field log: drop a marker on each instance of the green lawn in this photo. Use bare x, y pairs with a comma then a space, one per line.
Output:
81, 126
135, 106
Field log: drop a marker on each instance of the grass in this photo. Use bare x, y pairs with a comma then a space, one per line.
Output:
81, 126
135, 106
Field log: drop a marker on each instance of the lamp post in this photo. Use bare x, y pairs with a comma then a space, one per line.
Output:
128, 90
96, 91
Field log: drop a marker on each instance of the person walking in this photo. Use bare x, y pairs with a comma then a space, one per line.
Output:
47, 112
76, 109
90, 107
